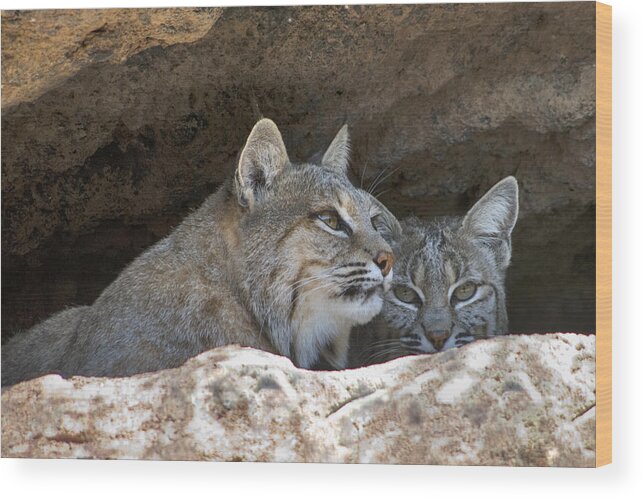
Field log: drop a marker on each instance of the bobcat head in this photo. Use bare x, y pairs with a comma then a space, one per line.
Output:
316, 254
448, 287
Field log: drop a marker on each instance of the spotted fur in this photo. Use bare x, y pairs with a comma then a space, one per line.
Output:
439, 262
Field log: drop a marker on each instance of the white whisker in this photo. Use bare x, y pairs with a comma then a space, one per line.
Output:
370, 187
379, 182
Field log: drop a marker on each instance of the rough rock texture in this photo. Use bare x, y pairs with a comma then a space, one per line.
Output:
114, 132
517, 400
34, 61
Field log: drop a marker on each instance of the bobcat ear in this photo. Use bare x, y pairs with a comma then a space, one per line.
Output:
493, 217
336, 156
386, 224
262, 158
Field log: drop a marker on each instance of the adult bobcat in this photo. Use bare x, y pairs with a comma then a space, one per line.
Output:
284, 257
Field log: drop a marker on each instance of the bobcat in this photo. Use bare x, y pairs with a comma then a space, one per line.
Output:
283, 257
448, 288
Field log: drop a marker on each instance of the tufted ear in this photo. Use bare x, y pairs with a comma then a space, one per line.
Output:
336, 156
262, 158
386, 224
493, 217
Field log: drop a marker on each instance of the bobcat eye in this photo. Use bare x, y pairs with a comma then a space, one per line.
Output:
465, 291
332, 219
406, 294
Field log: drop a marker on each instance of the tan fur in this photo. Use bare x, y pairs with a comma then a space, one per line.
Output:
231, 273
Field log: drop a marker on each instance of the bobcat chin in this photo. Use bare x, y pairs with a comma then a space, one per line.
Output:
285, 257
449, 284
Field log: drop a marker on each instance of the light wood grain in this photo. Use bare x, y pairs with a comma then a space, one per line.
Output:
603, 234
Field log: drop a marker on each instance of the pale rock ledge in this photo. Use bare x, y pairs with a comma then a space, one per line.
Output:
515, 400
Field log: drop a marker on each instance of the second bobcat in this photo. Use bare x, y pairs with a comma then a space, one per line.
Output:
449, 283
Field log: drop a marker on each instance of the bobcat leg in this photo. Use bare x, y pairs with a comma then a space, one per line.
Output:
336, 354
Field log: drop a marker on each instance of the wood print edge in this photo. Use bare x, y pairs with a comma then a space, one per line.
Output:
603, 234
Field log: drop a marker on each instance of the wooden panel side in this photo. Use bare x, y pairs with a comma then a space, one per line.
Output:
603, 234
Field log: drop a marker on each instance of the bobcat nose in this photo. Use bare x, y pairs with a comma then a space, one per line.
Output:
438, 338
384, 260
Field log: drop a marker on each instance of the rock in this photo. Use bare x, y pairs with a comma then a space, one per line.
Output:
515, 400
115, 131
34, 61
